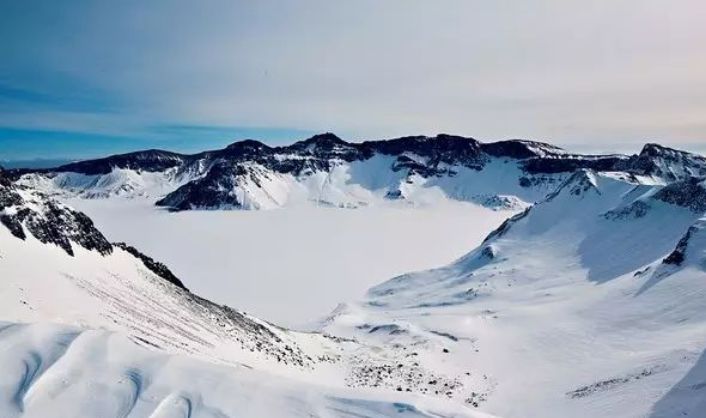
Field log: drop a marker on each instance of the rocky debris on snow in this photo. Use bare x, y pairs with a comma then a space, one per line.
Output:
609, 384
154, 266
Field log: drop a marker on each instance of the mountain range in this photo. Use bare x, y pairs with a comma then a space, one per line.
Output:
325, 170
587, 301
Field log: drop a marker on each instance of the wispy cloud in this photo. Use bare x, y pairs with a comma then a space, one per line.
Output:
604, 72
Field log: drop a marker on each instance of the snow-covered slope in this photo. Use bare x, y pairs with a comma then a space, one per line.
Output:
110, 298
51, 370
56, 264
588, 304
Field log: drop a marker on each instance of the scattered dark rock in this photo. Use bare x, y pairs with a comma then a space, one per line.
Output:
155, 267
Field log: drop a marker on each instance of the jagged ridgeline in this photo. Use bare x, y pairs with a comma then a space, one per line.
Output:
327, 170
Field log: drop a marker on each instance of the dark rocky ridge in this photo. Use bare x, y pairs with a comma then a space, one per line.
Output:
679, 254
689, 193
538, 157
47, 220
217, 173
154, 266
445, 148
149, 160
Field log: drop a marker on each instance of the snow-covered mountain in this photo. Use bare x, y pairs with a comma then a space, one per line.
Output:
589, 303
93, 328
326, 170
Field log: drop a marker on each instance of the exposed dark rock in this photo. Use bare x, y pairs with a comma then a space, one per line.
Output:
668, 163
570, 163
690, 194
394, 195
578, 184
443, 148
150, 160
215, 189
505, 226
678, 256
154, 266
637, 209
520, 149
48, 221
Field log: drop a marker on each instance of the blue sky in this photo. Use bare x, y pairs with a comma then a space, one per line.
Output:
28, 144
82, 78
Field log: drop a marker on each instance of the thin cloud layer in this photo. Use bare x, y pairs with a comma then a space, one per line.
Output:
595, 73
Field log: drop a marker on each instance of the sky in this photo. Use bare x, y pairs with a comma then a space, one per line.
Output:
80, 79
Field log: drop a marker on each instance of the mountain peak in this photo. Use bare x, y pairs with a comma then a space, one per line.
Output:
521, 149
246, 143
326, 139
652, 149
580, 182
443, 136
669, 163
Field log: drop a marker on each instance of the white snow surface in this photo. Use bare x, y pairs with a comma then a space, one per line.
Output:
210, 361
293, 265
569, 311
63, 371
590, 303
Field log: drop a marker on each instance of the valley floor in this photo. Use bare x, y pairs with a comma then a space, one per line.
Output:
293, 266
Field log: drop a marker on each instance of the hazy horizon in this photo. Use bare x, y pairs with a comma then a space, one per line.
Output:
84, 79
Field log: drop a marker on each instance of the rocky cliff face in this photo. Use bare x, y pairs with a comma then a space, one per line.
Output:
23, 211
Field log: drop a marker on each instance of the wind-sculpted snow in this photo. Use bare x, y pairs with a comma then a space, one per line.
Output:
52, 370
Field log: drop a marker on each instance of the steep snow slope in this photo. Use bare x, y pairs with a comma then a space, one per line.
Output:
120, 182
56, 265
588, 304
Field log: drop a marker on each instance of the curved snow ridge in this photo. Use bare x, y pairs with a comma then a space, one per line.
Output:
89, 373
